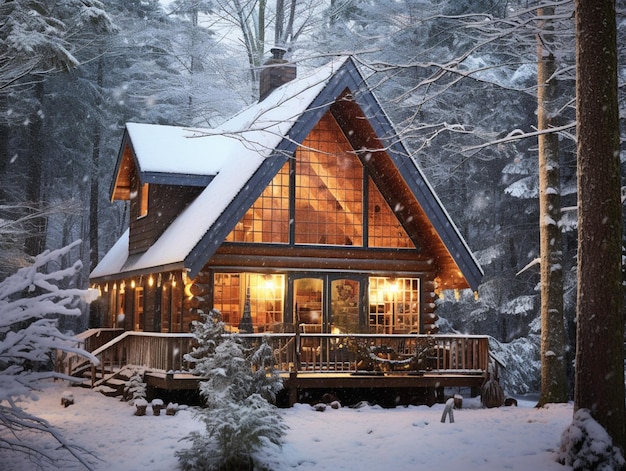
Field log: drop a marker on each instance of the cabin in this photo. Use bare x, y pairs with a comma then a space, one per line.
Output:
303, 218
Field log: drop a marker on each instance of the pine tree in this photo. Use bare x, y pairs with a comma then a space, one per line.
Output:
239, 418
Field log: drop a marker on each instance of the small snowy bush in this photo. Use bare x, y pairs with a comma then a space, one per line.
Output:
135, 388
241, 421
586, 446
237, 435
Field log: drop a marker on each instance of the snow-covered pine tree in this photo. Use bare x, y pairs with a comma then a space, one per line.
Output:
210, 333
239, 419
30, 304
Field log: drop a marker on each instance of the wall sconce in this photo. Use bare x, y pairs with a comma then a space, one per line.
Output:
150, 281
132, 284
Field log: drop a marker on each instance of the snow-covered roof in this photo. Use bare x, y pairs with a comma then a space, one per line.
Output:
231, 153
255, 131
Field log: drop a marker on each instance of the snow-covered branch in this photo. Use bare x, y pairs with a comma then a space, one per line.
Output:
30, 304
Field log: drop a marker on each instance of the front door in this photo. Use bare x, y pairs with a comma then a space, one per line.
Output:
328, 303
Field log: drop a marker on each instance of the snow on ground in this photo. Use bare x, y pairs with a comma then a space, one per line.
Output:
406, 438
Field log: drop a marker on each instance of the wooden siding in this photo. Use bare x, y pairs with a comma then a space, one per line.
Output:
165, 203
321, 258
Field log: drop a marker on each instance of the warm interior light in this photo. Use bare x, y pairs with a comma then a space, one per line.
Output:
132, 284
392, 286
269, 282
150, 281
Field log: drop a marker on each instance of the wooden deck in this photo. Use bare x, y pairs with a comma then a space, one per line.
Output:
314, 361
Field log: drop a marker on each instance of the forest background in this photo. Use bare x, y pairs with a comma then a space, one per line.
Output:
457, 77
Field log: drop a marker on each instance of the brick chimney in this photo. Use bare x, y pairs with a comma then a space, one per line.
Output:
275, 72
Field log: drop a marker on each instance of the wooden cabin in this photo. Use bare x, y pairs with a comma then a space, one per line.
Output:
304, 212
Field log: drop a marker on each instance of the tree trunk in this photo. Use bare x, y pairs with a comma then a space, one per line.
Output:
36, 240
553, 367
94, 246
600, 304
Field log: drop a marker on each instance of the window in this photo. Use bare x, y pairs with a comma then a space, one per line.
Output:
143, 200
325, 197
329, 188
265, 294
138, 319
268, 218
384, 228
394, 305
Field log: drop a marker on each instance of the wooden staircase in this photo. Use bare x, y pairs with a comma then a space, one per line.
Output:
112, 384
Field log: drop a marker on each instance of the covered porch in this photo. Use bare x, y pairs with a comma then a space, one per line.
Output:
306, 361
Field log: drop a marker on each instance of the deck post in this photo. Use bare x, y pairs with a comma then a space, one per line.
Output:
293, 387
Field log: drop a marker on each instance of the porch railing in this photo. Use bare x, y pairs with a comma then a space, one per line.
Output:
296, 352
90, 340
152, 350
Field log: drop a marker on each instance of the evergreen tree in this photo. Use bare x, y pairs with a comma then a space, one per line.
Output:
239, 418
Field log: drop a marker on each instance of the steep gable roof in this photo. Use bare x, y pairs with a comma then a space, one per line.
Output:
239, 158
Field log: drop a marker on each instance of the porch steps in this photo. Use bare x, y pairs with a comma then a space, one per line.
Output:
111, 384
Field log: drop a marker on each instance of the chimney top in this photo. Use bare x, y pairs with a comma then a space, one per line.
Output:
275, 72
278, 52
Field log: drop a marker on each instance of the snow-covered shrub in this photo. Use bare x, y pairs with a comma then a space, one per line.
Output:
240, 420
586, 446
135, 388
31, 302
237, 435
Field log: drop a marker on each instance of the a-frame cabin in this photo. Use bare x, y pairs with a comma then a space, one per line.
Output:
306, 206
303, 213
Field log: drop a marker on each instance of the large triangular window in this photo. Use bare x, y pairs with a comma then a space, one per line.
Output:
329, 188
319, 198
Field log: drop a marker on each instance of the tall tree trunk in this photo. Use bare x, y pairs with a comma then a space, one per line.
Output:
553, 367
36, 240
600, 302
94, 245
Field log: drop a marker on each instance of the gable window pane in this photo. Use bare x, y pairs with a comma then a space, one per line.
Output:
329, 188
384, 229
267, 220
